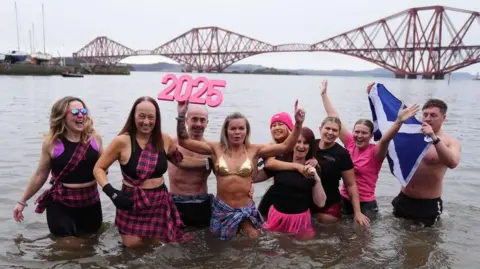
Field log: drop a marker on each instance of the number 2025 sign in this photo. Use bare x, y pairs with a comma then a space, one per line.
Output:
194, 91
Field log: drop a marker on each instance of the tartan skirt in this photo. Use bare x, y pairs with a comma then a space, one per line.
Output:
159, 220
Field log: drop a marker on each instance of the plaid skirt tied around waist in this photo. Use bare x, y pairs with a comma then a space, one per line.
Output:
71, 197
226, 219
159, 218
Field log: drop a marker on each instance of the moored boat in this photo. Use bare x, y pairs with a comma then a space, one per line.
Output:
16, 56
72, 75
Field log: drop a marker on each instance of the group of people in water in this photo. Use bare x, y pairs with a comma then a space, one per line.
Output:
306, 173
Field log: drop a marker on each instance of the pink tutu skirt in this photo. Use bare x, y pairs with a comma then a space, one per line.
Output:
289, 223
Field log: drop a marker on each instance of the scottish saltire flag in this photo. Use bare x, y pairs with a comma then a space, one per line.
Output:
408, 147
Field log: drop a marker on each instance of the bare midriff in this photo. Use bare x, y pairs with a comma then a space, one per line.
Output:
80, 185
235, 191
150, 183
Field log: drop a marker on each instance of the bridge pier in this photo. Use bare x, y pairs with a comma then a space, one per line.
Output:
427, 77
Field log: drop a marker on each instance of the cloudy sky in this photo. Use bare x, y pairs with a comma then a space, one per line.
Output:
144, 24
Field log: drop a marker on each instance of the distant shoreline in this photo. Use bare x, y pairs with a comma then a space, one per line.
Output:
258, 69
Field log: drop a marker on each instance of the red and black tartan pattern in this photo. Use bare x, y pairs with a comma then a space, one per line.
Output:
160, 220
76, 197
77, 156
146, 163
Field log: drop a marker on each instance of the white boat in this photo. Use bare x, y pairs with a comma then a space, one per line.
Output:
2, 58
40, 57
477, 77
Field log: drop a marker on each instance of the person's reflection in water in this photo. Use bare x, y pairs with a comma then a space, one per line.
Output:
419, 248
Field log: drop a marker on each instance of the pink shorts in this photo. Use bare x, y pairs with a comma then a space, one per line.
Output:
333, 210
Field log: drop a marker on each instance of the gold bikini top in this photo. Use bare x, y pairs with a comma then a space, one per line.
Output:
245, 169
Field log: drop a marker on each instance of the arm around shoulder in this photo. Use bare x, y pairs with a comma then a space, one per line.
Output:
200, 147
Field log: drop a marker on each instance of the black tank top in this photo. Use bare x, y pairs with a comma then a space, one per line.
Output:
83, 173
291, 192
130, 168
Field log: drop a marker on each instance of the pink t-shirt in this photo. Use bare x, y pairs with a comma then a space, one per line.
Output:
366, 167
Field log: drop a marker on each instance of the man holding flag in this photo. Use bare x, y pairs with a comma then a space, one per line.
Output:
418, 156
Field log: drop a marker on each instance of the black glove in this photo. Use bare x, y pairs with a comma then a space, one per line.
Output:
119, 198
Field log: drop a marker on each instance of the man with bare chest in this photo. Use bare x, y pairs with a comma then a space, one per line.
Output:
189, 186
421, 199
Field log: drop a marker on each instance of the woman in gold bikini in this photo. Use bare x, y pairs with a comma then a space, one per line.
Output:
235, 162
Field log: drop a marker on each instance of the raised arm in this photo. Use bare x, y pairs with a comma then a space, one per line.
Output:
37, 180
331, 111
403, 115
270, 150
200, 147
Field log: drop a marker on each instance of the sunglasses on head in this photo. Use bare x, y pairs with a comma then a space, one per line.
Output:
76, 111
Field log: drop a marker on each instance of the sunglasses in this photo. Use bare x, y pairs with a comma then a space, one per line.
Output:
76, 111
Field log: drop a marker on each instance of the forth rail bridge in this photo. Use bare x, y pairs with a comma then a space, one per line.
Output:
422, 41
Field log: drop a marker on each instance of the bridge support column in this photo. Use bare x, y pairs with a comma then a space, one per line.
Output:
411, 76
439, 76
398, 75
427, 76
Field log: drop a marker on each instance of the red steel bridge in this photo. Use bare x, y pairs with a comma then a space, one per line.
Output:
428, 41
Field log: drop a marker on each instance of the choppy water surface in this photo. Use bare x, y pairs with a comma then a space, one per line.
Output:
25, 103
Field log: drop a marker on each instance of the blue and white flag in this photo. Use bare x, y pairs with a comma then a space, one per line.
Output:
408, 147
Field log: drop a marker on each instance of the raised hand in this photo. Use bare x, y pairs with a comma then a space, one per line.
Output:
324, 87
369, 87
407, 113
182, 108
299, 113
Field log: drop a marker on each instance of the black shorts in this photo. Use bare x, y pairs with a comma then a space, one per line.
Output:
425, 211
73, 221
196, 215
369, 209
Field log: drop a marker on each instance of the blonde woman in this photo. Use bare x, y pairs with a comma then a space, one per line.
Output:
234, 159
69, 152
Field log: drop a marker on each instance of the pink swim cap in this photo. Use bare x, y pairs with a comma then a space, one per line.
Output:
282, 117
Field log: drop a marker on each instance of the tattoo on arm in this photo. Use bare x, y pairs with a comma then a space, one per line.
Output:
181, 129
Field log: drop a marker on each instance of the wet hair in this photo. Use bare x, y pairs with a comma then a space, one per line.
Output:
131, 128
365, 122
309, 136
58, 123
334, 120
436, 103
224, 131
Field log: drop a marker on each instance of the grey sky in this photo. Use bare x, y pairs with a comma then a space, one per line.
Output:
143, 24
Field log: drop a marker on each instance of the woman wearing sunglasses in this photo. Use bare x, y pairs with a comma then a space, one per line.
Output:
69, 152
